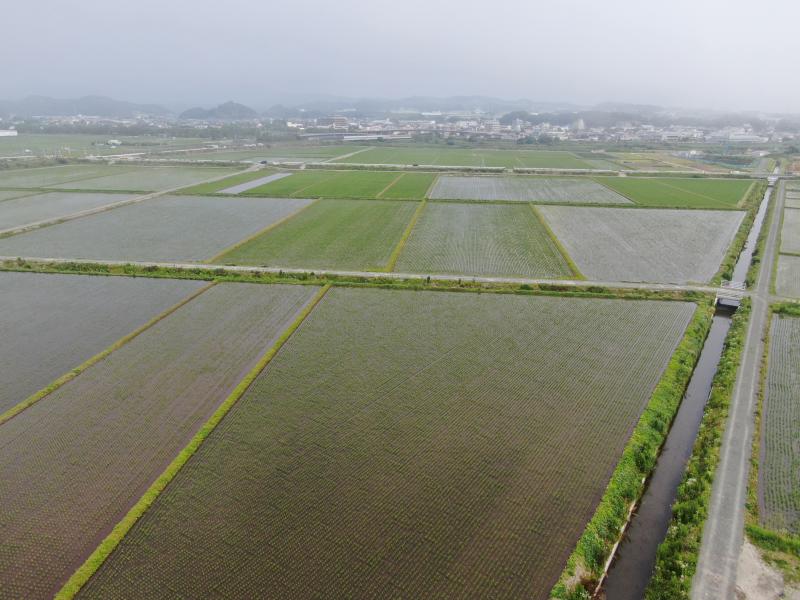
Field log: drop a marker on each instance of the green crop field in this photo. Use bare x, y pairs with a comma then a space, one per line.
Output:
780, 457
347, 184
680, 193
74, 462
481, 239
330, 234
470, 157
407, 444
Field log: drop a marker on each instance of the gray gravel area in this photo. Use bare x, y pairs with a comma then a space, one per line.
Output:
525, 189
51, 323
655, 245
168, 228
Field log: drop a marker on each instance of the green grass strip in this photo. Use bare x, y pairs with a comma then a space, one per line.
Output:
112, 540
219, 256
386, 189
70, 375
412, 282
406, 234
576, 272
676, 560
587, 563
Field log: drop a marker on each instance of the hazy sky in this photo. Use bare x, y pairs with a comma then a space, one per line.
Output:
727, 54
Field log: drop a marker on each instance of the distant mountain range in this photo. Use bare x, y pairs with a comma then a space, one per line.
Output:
229, 111
99, 106
320, 106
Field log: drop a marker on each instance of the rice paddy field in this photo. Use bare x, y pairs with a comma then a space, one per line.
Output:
38, 208
790, 231
788, 276
481, 239
404, 444
73, 463
524, 189
330, 234
39, 177
673, 192
469, 157
779, 485
9, 194
167, 228
276, 153
105, 177
52, 323
628, 244
348, 184
150, 179
81, 145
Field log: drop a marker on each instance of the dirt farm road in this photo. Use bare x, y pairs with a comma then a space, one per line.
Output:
724, 530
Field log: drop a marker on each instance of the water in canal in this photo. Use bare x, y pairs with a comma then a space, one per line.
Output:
630, 572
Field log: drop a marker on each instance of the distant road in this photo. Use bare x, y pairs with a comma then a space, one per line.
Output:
724, 529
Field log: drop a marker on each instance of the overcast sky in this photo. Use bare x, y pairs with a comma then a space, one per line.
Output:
724, 54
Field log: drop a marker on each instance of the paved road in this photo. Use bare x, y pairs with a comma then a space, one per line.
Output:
724, 530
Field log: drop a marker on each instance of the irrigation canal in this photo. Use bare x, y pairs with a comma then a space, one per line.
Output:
633, 563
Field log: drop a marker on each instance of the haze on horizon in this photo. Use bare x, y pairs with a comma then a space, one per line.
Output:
716, 54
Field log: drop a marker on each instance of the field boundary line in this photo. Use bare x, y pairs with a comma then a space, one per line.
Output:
333, 172
113, 539
260, 232
576, 272
73, 373
427, 195
698, 194
341, 156
743, 200
391, 183
589, 560
404, 238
